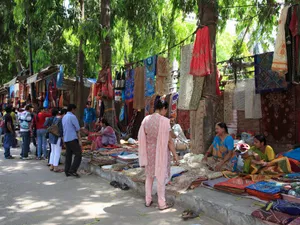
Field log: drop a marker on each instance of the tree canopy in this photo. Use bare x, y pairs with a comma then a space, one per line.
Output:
139, 28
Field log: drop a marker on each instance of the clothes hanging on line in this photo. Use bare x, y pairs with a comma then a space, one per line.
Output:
139, 88
150, 67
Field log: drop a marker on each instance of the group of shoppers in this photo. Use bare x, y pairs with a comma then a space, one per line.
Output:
59, 126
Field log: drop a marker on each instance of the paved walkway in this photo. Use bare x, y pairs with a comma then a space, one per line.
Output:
31, 194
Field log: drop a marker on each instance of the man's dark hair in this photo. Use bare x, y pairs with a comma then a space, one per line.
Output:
54, 112
71, 107
8, 109
28, 107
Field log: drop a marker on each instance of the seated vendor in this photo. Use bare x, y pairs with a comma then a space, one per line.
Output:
105, 137
221, 150
180, 140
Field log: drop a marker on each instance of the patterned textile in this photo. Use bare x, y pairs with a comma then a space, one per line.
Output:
183, 119
286, 207
278, 116
273, 216
293, 175
139, 88
280, 55
162, 85
147, 106
235, 185
197, 92
150, 67
265, 187
186, 80
129, 85
152, 103
265, 79
163, 67
196, 124
173, 105
228, 102
239, 96
252, 101
201, 63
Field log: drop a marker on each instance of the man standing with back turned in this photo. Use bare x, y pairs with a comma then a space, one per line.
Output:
72, 140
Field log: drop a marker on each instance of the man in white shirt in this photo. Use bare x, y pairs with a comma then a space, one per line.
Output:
25, 119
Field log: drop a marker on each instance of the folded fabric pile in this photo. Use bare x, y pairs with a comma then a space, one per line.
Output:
291, 192
273, 216
127, 159
235, 185
265, 190
212, 183
103, 160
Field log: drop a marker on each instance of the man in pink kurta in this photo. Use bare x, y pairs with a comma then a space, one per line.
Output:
154, 155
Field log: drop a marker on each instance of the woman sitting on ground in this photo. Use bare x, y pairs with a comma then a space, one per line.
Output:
105, 137
221, 150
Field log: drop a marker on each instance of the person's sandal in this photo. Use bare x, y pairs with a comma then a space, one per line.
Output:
189, 214
59, 170
168, 206
51, 168
149, 204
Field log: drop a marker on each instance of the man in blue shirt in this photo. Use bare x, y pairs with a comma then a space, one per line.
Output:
89, 117
72, 140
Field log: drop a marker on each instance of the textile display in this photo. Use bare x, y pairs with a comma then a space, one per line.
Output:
235, 185
267, 80
107, 87
183, 119
286, 207
129, 85
197, 92
163, 67
12, 91
201, 63
228, 102
252, 101
278, 116
294, 154
173, 105
118, 95
239, 95
212, 183
265, 190
147, 105
280, 64
186, 80
196, 126
139, 88
162, 84
150, 67
60, 77
273, 216
297, 94
295, 221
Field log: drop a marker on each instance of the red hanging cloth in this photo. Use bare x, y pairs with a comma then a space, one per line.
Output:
202, 58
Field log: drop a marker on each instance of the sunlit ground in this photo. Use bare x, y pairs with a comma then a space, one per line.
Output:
31, 194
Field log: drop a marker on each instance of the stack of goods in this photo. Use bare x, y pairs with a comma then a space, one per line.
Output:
103, 160
291, 192
127, 159
212, 183
279, 212
117, 151
235, 185
265, 190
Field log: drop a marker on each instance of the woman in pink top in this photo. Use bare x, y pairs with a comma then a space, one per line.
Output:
155, 145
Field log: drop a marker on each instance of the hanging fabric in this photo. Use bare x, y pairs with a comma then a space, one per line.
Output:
107, 88
129, 85
228, 102
163, 78
186, 80
150, 67
162, 85
147, 105
173, 105
139, 88
197, 92
163, 67
239, 95
118, 95
252, 101
267, 80
60, 77
120, 80
280, 64
201, 63
152, 103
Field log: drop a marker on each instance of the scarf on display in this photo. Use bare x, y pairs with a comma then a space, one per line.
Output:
197, 92
139, 88
147, 106
186, 80
252, 101
150, 67
201, 63
163, 78
129, 85
267, 80
60, 77
173, 105
280, 64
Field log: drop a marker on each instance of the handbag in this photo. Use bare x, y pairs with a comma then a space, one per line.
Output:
54, 129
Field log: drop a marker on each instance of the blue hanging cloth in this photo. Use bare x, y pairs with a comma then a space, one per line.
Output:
60, 77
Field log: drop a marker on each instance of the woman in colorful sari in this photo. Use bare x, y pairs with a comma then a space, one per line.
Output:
221, 150
262, 159
105, 137
155, 145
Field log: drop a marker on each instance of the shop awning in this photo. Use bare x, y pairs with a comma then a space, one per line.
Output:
32, 79
10, 83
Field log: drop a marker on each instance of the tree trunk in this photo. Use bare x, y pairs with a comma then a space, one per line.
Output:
80, 69
105, 56
208, 16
